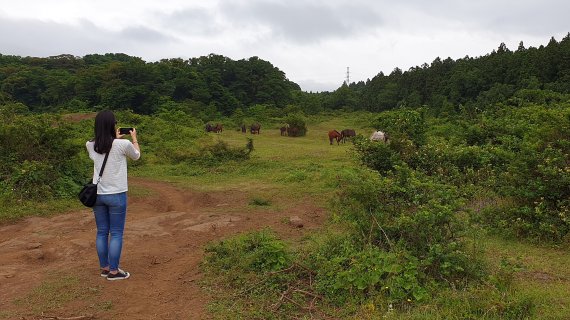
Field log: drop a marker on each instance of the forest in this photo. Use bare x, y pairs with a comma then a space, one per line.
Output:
479, 152
212, 86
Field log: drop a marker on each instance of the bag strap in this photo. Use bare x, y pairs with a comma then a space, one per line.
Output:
103, 167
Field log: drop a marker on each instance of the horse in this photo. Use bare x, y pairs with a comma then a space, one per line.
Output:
333, 134
284, 130
255, 128
347, 133
211, 128
379, 136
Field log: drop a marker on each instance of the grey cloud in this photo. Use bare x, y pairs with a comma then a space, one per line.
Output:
303, 22
45, 38
143, 34
193, 21
501, 17
317, 86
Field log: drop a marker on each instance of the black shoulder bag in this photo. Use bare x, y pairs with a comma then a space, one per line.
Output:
88, 195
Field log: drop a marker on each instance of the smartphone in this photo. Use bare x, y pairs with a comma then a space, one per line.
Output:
125, 130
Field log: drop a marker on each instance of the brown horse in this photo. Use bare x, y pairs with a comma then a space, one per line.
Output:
333, 134
255, 128
211, 128
347, 133
284, 130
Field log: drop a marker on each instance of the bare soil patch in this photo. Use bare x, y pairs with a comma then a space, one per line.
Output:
165, 235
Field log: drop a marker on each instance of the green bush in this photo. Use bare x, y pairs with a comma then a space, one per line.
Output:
297, 124
346, 271
407, 216
259, 251
404, 123
169, 136
39, 158
254, 276
173, 136
520, 153
33, 180
375, 155
221, 151
536, 177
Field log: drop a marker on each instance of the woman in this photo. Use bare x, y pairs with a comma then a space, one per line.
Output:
111, 207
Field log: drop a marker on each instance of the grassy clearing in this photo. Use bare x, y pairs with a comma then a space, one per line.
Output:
58, 291
536, 278
10, 212
285, 165
542, 274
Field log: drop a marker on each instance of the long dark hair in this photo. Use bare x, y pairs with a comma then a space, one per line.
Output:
104, 131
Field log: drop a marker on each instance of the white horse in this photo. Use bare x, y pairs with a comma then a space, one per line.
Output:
379, 136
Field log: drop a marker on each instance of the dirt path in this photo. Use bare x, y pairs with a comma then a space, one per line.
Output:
54, 259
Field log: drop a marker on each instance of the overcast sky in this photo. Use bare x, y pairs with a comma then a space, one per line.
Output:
313, 42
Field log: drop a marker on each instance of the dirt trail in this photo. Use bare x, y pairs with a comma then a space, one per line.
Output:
164, 239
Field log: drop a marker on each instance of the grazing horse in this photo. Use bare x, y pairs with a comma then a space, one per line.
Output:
285, 130
347, 133
379, 136
255, 128
333, 134
218, 128
211, 128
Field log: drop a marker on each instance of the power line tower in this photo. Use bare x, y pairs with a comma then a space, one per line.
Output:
347, 81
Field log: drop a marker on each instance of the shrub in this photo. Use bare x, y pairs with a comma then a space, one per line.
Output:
407, 213
259, 251
346, 271
297, 125
33, 180
254, 276
221, 151
537, 179
403, 124
39, 160
375, 155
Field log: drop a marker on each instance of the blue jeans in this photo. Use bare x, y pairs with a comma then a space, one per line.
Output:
110, 212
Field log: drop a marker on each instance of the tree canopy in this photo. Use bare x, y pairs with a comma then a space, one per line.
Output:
468, 81
119, 81
219, 85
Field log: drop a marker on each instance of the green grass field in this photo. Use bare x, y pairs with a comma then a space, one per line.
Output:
536, 277
284, 165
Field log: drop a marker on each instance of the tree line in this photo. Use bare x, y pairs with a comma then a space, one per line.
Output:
119, 82
222, 85
447, 84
